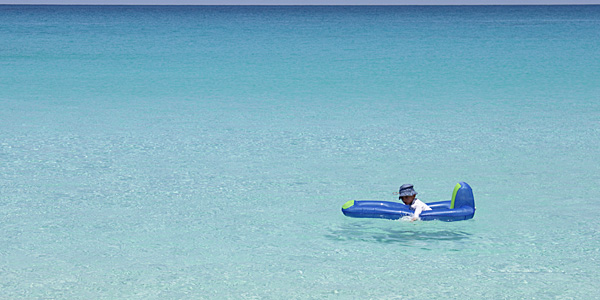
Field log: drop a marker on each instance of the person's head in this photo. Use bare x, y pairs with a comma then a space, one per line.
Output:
408, 200
407, 194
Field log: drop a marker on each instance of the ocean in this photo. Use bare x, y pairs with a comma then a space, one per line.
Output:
204, 152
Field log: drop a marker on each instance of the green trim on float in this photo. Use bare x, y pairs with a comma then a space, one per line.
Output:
348, 204
456, 188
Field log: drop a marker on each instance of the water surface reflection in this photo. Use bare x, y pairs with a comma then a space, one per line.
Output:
403, 233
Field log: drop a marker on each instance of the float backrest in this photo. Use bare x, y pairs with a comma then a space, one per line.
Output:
461, 196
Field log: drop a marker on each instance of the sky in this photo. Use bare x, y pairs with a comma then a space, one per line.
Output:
301, 2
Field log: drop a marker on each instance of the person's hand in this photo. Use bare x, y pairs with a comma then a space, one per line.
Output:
414, 219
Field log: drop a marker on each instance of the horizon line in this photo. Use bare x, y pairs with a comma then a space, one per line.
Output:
331, 4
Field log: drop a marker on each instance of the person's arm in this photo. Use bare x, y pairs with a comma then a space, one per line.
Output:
417, 213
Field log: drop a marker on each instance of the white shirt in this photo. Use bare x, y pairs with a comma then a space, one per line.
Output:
418, 206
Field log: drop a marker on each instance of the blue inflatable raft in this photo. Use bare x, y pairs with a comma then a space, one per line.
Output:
461, 207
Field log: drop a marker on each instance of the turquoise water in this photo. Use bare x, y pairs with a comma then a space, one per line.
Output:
205, 152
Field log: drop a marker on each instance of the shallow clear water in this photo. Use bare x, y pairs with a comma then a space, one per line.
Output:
205, 152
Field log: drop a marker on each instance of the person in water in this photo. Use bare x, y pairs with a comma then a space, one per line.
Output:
408, 195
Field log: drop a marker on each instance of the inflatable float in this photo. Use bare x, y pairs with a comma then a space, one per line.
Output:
460, 207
